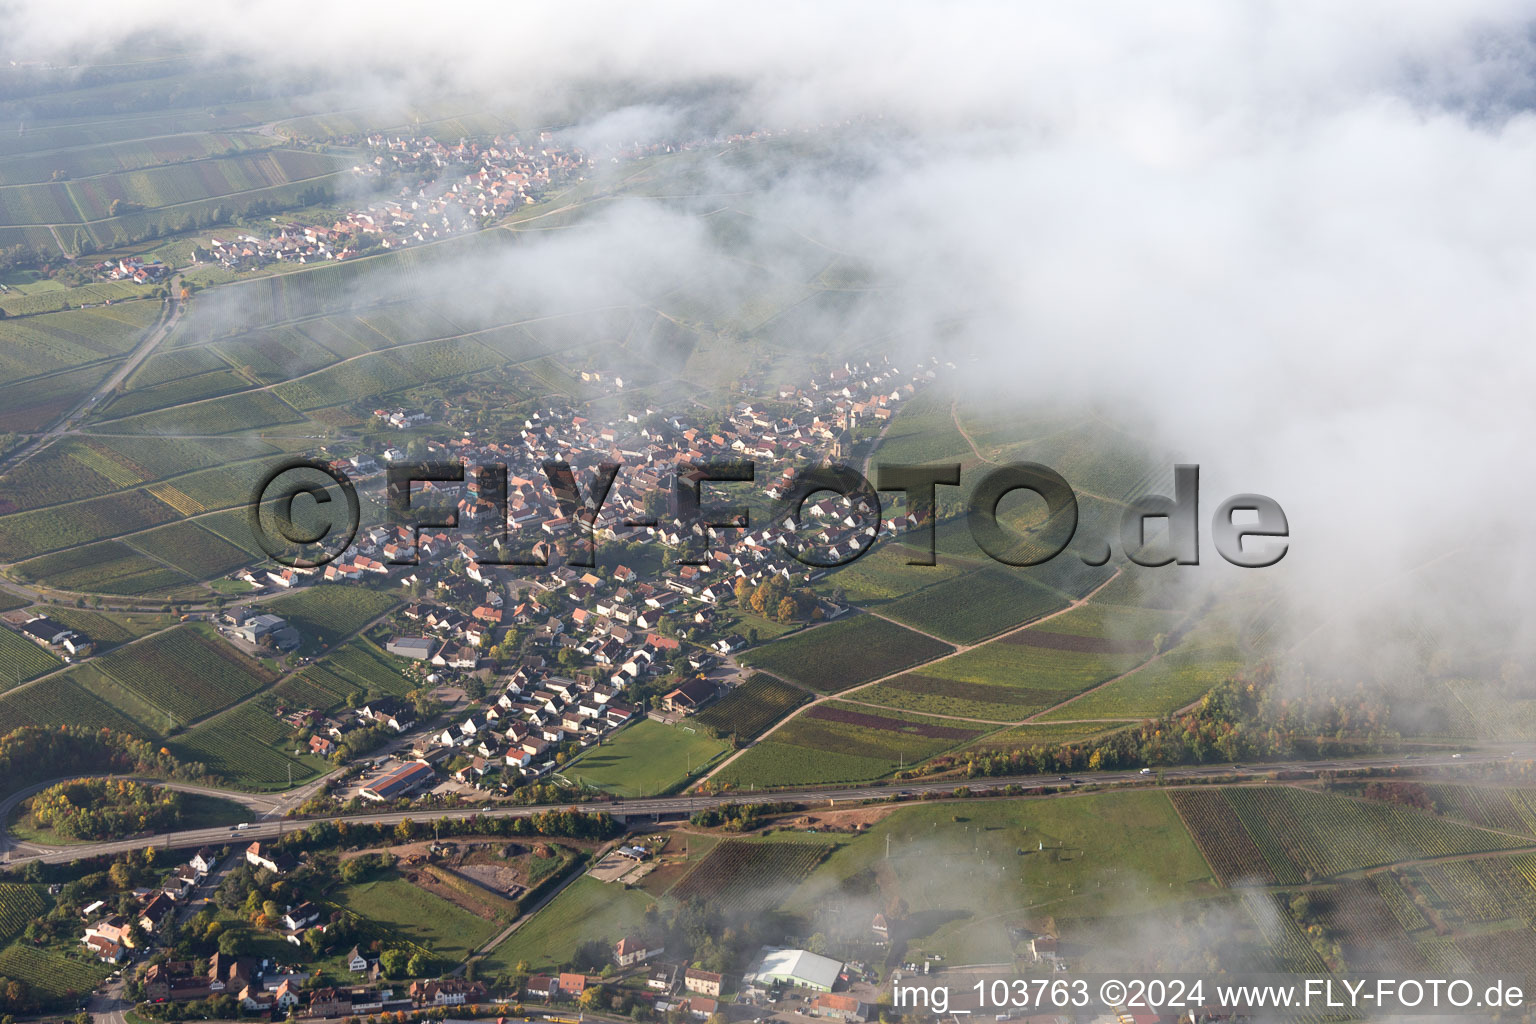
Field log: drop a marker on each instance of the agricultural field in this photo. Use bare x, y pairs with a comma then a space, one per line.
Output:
586, 909
376, 671
747, 878
109, 157
645, 759
1502, 808
980, 604
1225, 844
21, 659
148, 720
326, 613
842, 742
188, 672
90, 198
1367, 930
109, 567
59, 975
25, 534
845, 653
156, 458
409, 912
1011, 678
62, 699
1291, 948
175, 392
969, 870
30, 406
231, 414
197, 552
771, 763
752, 707
19, 906
1304, 834
36, 345
1033, 734
1160, 687
69, 471
354, 667
246, 745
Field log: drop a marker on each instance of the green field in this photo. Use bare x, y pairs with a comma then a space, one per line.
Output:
108, 567
645, 759
1304, 834
326, 613
412, 914
845, 653
1004, 680
972, 607
1161, 687
67, 526
752, 707
586, 909
21, 659
64, 699
355, 667
187, 672
249, 747
195, 551
844, 742
58, 975
19, 906
969, 870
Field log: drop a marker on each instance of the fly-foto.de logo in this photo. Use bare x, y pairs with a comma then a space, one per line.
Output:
306, 513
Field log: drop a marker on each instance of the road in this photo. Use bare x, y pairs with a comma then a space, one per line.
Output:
261, 805
271, 828
108, 1005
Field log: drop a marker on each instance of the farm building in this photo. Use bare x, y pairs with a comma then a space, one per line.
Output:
798, 967
258, 627
418, 647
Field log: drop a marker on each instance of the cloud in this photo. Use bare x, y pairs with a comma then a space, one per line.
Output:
1294, 240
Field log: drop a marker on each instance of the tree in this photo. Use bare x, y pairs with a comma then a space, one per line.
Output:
590, 955
395, 962
591, 998
421, 965
232, 942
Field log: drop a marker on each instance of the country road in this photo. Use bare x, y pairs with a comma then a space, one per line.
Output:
687, 804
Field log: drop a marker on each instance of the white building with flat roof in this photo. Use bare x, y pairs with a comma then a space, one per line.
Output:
799, 967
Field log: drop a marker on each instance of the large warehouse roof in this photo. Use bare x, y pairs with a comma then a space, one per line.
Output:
798, 967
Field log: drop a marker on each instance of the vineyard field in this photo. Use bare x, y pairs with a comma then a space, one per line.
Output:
21, 659
1216, 829
1305, 834
327, 612
242, 746
748, 878
19, 906
749, 709
60, 700
58, 975
188, 672
841, 654
192, 549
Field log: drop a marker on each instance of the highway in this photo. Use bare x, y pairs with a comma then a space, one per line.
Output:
271, 828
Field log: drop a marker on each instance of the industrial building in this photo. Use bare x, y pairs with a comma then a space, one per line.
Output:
798, 967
